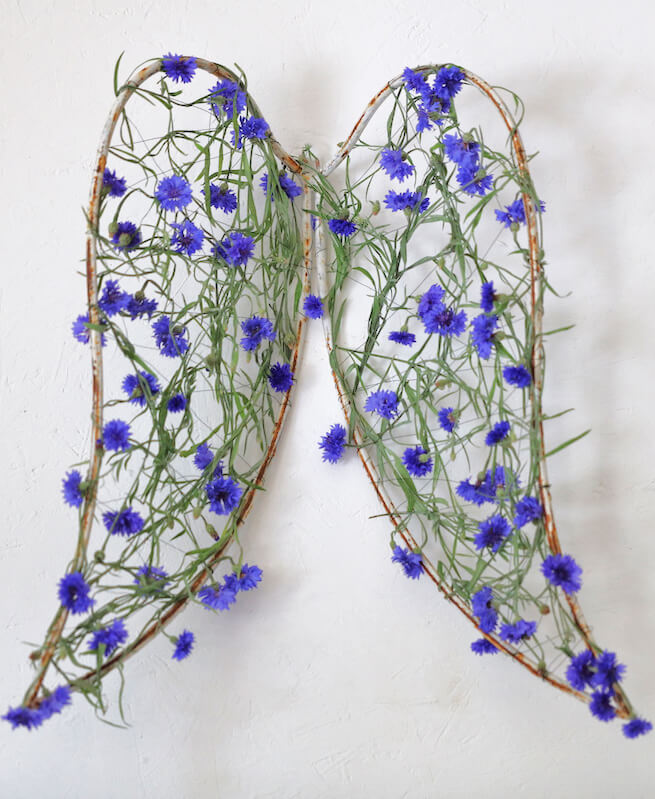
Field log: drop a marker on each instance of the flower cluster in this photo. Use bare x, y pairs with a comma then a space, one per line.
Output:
222, 596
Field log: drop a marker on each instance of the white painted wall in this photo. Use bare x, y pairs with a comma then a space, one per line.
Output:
338, 678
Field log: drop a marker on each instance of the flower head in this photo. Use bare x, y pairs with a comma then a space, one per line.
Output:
217, 598
286, 183
601, 706
74, 593
417, 461
581, 670
176, 403
498, 433
608, 671
28, 717
436, 317
183, 645
410, 561
249, 577
280, 377
483, 609
124, 522
384, 403
111, 637
515, 633
636, 727
139, 386
462, 151
227, 96
487, 297
448, 81
333, 443
222, 198
55, 702
474, 180
394, 164
514, 214
403, 200
73, 495
493, 532
250, 128
116, 435
171, 342
482, 646
562, 571
126, 236
342, 227
112, 185
528, 509
113, 299
82, 333
487, 488
140, 306
187, 238
173, 193
402, 337
235, 248
482, 334
313, 306
447, 419
223, 494
203, 457
179, 67
517, 376
414, 81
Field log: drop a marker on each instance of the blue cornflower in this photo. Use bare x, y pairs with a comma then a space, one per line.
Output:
235, 248
414, 81
250, 128
400, 201
445, 321
417, 461
432, 102
249, 577
333, 443
230, 97
384, 403
601, 706
486, 489
447, 419
482, 646
482, 335
112, 637
82, 333
126, 236
431, 302
74, 593
112, 185
73, 495
515, 213
474, 181
217, 598
423, 121
580, 671
497, 433
140, 306
562, 571
116, 435
462, 151
280, 377
528, 509
483, 610
448, 81
151, 577
517, 376
313, 306
402, 337
176, 403
608, 671
171, 342
287, 184
255, 330
124, 522
187, 238
222, 198
179, 67
223, 494
636, 727
487, 297
515, 633
138, 386
342, 227
113, 298
394, 164
493, 532
55, 702
183, 645
203, 457
410, 561
173, 193
24, 717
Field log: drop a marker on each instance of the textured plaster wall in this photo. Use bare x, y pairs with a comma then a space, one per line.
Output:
338, 678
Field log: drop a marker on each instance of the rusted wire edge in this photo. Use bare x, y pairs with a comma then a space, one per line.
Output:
537, 358
136, 79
